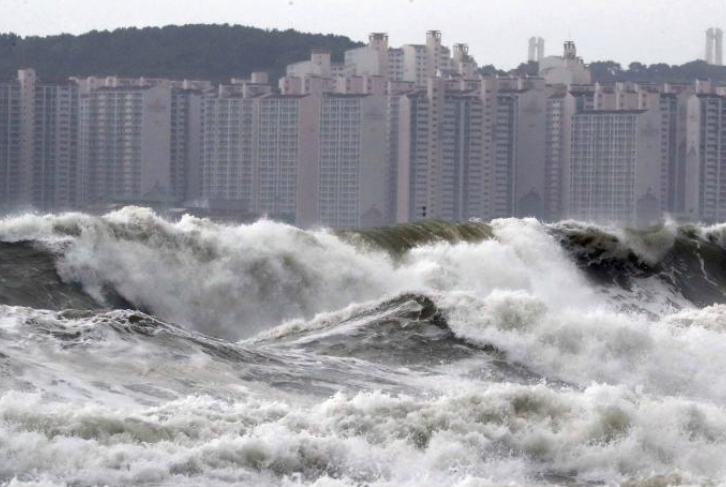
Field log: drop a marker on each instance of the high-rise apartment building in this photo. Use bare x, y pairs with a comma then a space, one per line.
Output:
560, 107
56, 180
10, 145
614, 169
126, 145
393, 134
284, 147
529, 170
186, 140
351, 168
38, 143
441, 171
412, 63
305, 159
140, 140
568, 69
228, 149
370, 60
714, 46
705, 171
536, 52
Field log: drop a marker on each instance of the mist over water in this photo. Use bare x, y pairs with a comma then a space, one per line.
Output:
135, 350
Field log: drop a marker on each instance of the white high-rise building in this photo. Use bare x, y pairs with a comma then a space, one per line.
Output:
714, 46
536, 50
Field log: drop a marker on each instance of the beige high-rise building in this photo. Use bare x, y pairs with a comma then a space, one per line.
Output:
441, 171
560, 108
568, 69
351, 168
413, 63
529, 166
305, 159
370, 60
140, 142
319, 64
614, 168
285, 150
256, 152
705, 158
228, 150
126, 145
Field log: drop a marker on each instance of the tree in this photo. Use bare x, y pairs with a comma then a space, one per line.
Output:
215, 52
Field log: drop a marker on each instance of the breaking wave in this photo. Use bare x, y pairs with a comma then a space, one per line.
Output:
137, 350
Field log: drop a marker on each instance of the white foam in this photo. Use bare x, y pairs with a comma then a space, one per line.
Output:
501, 433
645, 401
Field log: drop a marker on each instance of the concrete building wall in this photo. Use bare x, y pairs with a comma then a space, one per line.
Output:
503, 162
396, 61
55, 178
155, 163
308, 168
126, 145
352, 162
615, 167
28, 81
10, 144
415, 64
531, 152
194, 147
441, 161
185, 145
227, 150
363, 61
277, 149
38, 143
706, 158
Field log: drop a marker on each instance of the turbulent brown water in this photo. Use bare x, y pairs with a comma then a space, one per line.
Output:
140, 351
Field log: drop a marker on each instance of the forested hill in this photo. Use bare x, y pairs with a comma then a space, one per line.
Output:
214, 52
221, 52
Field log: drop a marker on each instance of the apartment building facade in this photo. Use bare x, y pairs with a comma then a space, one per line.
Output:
615, 167
39, 143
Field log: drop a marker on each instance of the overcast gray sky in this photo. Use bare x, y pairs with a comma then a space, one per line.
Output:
496, 30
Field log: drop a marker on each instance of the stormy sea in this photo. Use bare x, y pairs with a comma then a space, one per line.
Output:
136, 350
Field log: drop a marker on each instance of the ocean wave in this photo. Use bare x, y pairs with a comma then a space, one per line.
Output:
511, 433
137, 350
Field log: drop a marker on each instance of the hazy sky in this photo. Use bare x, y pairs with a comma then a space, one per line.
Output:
496, 30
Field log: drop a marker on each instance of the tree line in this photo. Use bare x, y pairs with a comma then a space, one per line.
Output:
611, 71
222, 51
214, 52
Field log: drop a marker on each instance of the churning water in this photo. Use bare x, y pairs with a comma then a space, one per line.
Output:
138, 351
